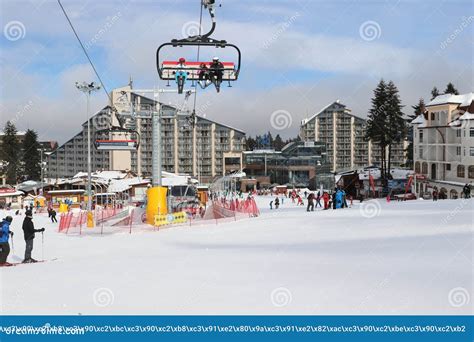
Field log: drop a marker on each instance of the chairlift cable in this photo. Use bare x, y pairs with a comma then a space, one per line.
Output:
198, 54
88, 57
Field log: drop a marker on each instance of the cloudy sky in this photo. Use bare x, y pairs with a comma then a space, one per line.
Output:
297, 56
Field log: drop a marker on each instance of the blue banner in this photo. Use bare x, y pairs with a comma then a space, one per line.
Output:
236, 328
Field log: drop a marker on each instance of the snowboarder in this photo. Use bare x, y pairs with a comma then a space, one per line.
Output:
277, 203
29, 233
4, 235
310, 202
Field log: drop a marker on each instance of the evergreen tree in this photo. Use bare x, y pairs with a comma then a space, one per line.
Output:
10, 153
250, 144
450, 89
418, 109
434, 93
278, 143
396, 124
31, 156
377, 122
269, 140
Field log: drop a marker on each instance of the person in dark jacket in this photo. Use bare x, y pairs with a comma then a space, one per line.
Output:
4, 235
52, 214
29, 232
310, 202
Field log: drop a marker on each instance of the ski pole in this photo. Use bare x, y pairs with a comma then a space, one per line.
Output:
13, 246
42, 245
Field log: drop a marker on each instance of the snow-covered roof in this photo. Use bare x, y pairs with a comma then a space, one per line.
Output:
464, 100
395, 173
106, 175
466, 116
120, 185
71, 191
9, 194
419, 120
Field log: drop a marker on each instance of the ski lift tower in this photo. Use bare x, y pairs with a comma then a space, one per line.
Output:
87, 89
156, 116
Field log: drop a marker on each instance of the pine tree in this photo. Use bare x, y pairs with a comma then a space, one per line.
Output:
434, 93
31, 156
450, 89
269, 139
250, 144
396, 124
278, 143
377, 123
10, 153
418, 109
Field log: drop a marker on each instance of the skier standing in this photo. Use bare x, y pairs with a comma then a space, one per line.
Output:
310, 202
318, 199
29, 233
4, 235
277, 203
326, 200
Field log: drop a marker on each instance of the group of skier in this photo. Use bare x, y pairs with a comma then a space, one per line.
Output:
336, 200
207, 75
6, 235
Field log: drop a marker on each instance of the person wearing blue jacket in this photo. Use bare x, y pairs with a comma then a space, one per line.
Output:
4, 235
338, 199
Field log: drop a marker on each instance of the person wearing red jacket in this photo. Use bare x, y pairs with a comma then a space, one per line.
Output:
326, 200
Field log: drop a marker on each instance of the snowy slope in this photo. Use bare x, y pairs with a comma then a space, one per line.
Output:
410, 258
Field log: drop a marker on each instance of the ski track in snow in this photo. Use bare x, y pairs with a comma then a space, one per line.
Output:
408, 259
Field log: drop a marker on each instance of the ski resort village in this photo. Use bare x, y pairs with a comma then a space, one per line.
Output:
149, 168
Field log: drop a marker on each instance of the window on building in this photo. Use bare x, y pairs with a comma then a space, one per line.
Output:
448, 167
420, 152
432, 116
421, 136
424, 168
460, 171
458, 133
458, 150
471, 151
471, 171
417, 167
471, 132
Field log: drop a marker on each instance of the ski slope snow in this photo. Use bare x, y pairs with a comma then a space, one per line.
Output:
413, 257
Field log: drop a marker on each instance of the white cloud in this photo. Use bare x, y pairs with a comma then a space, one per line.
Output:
350, 66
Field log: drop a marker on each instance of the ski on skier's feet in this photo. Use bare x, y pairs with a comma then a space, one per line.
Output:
9, 264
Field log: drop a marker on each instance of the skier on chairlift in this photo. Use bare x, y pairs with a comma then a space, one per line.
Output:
204, 76
181, 74
216, 72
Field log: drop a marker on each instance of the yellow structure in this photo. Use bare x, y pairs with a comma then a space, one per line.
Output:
156, 203
175, 218
63, 208
90, 219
